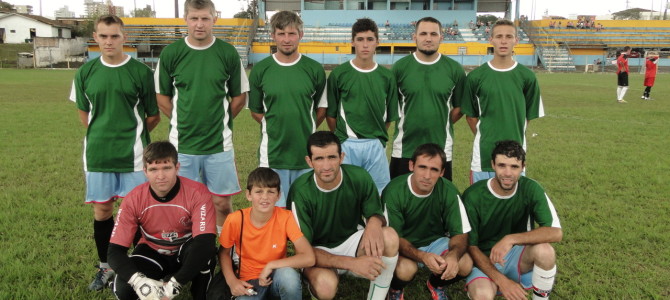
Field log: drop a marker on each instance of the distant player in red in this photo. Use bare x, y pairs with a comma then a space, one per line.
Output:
176, 221
622, 74
650, 74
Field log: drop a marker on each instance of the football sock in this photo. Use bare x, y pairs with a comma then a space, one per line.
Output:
618, 93
436, 281
104, 265
543, 281
380, 286
398, 284
623, 91
102, 232
218, 229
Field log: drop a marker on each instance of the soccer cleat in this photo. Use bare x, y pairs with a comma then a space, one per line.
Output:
643, 97
437, 293
622, 101
102, 279
396, 294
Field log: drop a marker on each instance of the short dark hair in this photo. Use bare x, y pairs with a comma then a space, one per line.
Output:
429, 20
322, 139
199, 4
509, 148
108, 20
160, 151
363, 25
263, 177
504, 22
626, 48
284, 19
431, 150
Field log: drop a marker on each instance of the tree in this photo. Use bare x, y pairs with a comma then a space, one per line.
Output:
487, 18
250, 13
6, 6
146, 12
628, 14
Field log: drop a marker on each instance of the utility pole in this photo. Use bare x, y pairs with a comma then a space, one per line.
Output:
176, 9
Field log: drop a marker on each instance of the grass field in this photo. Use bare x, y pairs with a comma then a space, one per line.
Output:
605, 166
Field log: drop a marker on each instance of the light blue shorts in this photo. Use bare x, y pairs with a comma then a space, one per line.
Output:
477, 176
217, 171
511, 269
439, 247
104, 186
370, 155
287, 177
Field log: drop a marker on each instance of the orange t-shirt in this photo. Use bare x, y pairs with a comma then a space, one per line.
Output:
260, 245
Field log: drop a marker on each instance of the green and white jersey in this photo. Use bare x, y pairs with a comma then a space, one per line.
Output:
492, 216
422, 219
117, 98
329, 217
288, 95
199, 80
363, 101
428, 91
503, 100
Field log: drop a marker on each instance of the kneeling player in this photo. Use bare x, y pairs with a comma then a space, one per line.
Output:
423, 207
177, 223
505, 248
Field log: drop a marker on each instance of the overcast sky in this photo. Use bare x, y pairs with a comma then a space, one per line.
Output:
228, 8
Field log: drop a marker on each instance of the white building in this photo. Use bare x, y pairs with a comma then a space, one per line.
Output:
63, 12
20, 28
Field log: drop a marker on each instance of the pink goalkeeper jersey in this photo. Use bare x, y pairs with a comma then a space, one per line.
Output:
165, 225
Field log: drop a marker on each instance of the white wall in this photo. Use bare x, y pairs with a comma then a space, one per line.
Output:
21, 27
54, 50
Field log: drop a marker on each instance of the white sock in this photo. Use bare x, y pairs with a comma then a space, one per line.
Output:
623, 91
380, 286
218, 229
104, 265
543, 281
618, 92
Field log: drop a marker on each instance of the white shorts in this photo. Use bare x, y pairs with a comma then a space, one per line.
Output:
348, 248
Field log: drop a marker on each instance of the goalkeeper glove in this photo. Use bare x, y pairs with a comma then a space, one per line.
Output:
146, 288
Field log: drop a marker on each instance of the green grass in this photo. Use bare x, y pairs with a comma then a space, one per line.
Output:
604, 165
8, 54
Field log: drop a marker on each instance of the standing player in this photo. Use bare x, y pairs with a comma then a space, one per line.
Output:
117, 105
338, 209
622, 74
509, 254
194, 77
499, 99
362, 103
288, 110
650, 74
422, 208
176, 221
430, 86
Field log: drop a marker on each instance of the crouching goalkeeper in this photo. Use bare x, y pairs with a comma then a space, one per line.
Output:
176, 222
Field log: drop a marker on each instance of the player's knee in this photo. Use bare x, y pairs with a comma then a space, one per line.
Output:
390, 241
103, 211
222, 204
482, 289
322, 284
465, 265
544, 255
405, 269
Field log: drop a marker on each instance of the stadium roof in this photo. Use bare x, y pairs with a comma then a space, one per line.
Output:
482, 5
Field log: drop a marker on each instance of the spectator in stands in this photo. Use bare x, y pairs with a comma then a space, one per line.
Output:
552, 24
487, 31
499, 99
622, 74
570, 25
560, 24
455, 24
471, 25
288, 111
650, 74
387, 24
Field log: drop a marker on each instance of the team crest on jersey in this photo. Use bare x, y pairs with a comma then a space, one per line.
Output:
170, 236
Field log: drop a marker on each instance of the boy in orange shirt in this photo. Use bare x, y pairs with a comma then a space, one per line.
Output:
265, 271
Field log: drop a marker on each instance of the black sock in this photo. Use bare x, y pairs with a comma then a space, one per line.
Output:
398, 284
436, 281
102, 232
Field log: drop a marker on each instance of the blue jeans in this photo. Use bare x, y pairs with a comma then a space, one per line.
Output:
285, 285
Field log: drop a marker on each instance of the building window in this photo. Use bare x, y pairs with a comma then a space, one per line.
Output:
12, 31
